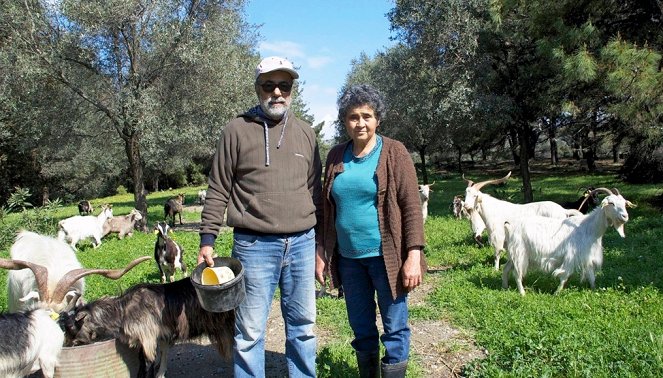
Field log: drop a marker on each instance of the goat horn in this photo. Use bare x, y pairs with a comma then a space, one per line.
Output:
603, 190
74, 275
469, 182
481, 184
40, 272
616, 191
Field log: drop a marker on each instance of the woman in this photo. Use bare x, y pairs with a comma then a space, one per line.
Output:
372, 232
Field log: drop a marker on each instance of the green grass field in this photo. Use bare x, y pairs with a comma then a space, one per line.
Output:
614, 331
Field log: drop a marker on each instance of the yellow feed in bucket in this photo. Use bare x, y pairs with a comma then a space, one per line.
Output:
216, 275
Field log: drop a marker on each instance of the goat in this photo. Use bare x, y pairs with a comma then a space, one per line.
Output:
122, 225
85, 208
495, 212
586, 202
32, 339
424, 196
458, 207
56, 256
80, 227
29, 341
56, 295
150, 316
167, 253
476, 223
561, 246
173, 207
202, 194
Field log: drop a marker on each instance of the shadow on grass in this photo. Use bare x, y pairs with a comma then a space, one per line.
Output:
331, 364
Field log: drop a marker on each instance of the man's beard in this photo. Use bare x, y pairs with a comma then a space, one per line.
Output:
274, 112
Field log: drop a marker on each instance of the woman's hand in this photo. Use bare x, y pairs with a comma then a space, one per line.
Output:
411, 270
320, 264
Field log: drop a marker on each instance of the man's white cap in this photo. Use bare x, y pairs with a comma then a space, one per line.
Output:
276, 63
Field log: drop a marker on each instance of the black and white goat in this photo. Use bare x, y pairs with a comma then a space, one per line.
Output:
174, 207
85, 207
562, 246
29, 341
151, 316
167, 253
32, 340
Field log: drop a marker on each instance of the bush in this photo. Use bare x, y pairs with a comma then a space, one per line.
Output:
644, 164
121, 190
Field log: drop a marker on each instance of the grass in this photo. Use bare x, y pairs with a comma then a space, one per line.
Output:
614, 331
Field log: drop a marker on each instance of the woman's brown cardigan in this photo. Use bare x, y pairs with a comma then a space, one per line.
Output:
399, 210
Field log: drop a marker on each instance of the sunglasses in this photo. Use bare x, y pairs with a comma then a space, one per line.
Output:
269, 86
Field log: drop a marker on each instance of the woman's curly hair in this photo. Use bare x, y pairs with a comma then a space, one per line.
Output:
358, 95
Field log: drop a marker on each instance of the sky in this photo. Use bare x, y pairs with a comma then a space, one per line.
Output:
321, 37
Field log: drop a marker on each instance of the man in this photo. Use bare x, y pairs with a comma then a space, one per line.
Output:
266, 173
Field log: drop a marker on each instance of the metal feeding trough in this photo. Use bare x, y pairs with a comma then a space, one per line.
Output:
108, 358
225, 296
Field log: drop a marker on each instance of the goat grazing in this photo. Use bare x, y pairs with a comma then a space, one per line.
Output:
80, 227
32, 339
29, 341
150, 316
85, 208
586, 202
476, 223
424, 196
495, 212
173, 207
167, 253
122, 225
562, 246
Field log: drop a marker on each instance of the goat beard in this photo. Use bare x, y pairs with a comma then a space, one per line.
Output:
619, 227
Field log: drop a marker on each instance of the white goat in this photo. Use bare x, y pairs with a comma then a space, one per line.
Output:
80, 227
29, 341
424, 196
495, 212
122, 225
562, 246
56, 256
202, 194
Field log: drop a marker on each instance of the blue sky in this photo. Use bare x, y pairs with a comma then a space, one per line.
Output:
321, 38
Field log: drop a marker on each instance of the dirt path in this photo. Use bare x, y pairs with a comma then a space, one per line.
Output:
437, 347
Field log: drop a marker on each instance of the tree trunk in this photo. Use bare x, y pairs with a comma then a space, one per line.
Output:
552, 137
514, 143
424, 171
132, 148
460, 160
524, 165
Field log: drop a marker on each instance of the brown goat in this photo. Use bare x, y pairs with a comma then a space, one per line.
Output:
148, 316
174, 207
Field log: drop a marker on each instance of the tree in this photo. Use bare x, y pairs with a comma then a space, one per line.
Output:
145, 67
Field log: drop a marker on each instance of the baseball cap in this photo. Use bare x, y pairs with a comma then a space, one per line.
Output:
276, 63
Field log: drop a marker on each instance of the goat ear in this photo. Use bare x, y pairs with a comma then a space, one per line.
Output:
80, 316
630, 204
31, 295
156, 232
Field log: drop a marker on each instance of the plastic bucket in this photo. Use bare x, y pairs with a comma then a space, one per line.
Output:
226, 296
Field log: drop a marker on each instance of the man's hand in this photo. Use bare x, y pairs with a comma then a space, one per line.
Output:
206, 254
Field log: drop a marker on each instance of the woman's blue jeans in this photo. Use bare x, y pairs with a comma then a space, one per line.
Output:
361, 279
289, 262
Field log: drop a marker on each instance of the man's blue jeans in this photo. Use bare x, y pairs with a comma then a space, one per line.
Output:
361, 279
289, 262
